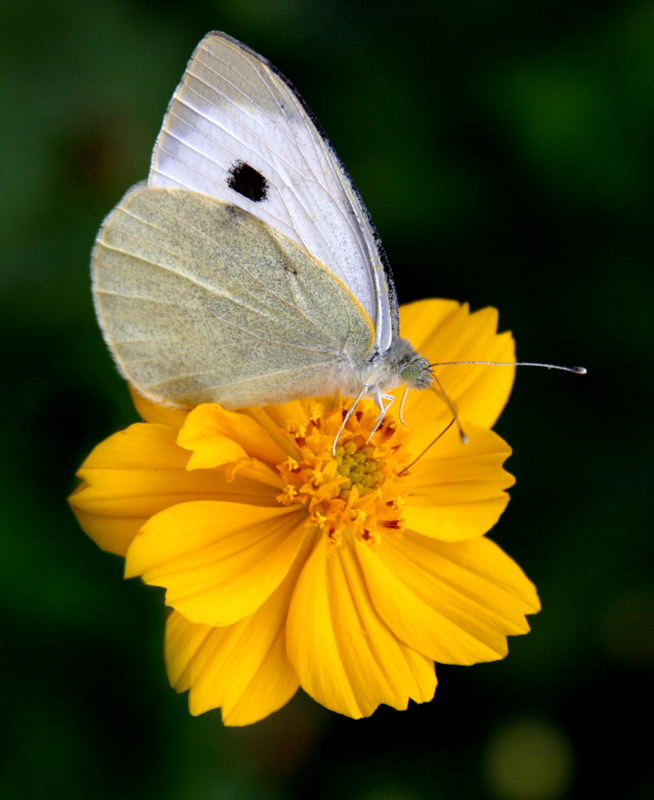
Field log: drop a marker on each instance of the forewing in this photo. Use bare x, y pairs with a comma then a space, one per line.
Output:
236, 130
201, 302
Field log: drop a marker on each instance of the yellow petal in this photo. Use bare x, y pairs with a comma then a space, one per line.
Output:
344, 654
127, 478
273, 684
140, 471
218, 561
273, 418
453, 602
242, 668
217, 436
458, 488
113, 534
443, 330
211, 452
420, 320
157, 412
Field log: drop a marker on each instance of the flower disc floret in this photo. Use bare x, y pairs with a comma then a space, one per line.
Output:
356, 489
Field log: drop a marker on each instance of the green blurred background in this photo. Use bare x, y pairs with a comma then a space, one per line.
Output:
505, 150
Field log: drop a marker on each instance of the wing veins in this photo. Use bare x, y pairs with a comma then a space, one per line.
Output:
259, 80
212, 315
295, 371
322, 150
230, 133
240, 108
243, 265
227, 346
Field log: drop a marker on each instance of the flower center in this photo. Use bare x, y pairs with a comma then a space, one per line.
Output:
360, 490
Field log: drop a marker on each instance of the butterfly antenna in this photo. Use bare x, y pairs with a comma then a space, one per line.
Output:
455, 415
576, 370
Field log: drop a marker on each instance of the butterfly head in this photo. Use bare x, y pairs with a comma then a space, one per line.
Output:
407, 367
416, 373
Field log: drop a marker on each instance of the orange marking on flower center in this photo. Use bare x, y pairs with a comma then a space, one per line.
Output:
360, 491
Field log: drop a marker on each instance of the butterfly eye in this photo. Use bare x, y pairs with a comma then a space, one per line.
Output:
411, 373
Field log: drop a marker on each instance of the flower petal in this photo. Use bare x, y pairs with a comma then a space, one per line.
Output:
127, 478
458, 489
158, 412
140, 471
218, 561
217, 436
242, 668
113, 534
455, 603
273, 418
344, 654
443, 330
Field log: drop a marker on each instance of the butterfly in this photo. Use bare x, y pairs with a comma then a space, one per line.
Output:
246, 269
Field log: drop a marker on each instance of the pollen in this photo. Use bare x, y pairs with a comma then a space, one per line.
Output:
358, 488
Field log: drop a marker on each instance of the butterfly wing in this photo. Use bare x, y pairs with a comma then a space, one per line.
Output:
238, 131
202, 302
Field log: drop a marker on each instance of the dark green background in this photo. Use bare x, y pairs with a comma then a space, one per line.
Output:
505, 150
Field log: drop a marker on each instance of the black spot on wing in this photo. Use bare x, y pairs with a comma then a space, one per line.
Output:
392, 296
245, 180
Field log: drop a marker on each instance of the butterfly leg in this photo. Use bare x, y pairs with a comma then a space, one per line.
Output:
350, 411
401, 414
383, 408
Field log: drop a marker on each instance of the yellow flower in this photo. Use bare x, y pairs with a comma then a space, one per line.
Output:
286, 565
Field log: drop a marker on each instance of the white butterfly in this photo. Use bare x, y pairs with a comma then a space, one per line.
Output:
246, 270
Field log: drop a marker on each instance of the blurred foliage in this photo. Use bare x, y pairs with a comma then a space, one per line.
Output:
505, 152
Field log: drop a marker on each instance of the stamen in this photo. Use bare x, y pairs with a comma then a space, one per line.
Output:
353, 489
